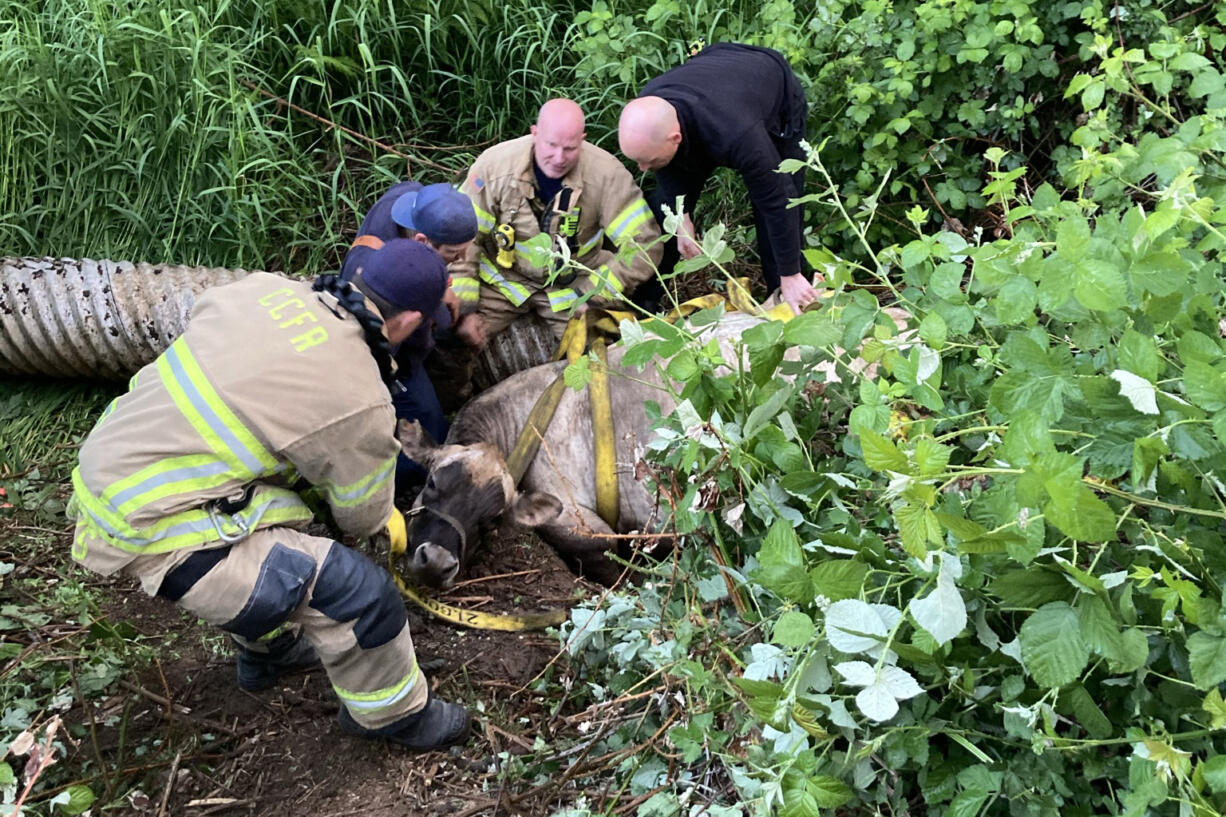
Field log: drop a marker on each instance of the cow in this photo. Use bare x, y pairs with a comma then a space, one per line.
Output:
468, 483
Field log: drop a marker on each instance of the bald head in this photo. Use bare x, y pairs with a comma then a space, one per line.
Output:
557, 137
649, 132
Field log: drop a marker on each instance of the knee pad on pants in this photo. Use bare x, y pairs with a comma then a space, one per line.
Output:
350, 586
285, 576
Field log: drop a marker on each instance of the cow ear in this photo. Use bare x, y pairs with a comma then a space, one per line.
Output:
532, 508
416, 443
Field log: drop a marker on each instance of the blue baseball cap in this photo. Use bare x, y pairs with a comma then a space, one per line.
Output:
405, 274
439, 212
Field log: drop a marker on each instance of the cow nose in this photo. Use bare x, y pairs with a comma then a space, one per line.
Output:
434, 565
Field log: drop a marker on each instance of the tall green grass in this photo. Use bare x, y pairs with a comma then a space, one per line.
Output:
141, 130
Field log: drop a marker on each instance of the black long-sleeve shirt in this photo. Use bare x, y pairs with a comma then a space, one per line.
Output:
737, 105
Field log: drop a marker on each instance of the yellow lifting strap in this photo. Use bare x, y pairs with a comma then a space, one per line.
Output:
574, 343
594, 329
476, 619
602, 437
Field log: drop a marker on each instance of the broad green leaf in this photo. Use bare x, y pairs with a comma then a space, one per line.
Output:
1160, 273
1081, 515
766, 411
966, 804
1204, 386
1073, 237
1216, 707
946, 282
1214, 773
1080, 703
1016, 391
804, 483
1016, 300
789, 582
7, 778
763, 696
838, 579
683, 366
1028, 437
762, 335
1092, 96
962, 528
917, 528
869, 417
881, 454
1125, 651
1139, 391
578, 374
764, 363
1034, 587
914, 253
1049, 475
1052, 648
829, 792
930, 456
1207, 659
1139, 354
793, 629
1198, 346
780, 546
80, 798
1099, 285
817, 329
933, 331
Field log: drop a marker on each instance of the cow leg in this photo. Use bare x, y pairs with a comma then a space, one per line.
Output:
581, 538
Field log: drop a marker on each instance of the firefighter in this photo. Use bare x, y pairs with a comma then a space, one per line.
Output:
193, 483
737, 106
543, 197
429, 362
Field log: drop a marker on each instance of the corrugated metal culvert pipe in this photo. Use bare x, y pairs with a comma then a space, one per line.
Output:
80, 318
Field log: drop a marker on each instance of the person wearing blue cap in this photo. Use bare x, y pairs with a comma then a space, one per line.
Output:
442, 218
193, 483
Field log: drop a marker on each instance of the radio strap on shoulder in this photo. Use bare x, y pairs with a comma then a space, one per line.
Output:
372, 242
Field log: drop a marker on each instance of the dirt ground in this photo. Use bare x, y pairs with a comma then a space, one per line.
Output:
211, 749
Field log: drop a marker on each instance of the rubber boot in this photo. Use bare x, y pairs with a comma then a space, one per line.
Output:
435, 726
287, 653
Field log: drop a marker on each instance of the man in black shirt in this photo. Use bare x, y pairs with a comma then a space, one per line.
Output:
737, 106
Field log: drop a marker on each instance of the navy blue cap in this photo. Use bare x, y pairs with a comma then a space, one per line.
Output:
439, 212
406, 274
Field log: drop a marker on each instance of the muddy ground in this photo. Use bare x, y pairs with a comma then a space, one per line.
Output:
193, 744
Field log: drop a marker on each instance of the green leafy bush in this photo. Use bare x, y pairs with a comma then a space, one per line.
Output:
985, 576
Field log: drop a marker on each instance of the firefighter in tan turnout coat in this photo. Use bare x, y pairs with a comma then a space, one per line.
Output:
540, 192
190, 482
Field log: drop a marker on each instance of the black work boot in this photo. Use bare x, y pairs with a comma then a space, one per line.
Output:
286, 655
435, 726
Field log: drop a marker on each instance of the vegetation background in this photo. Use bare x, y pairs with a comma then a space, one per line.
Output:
988, 581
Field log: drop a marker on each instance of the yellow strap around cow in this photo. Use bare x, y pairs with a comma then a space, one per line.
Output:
476, 619
607, 499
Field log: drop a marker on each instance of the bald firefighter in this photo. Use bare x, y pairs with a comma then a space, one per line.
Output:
545, 194
192, 483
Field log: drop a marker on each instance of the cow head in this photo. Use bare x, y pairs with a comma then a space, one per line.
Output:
466, 486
